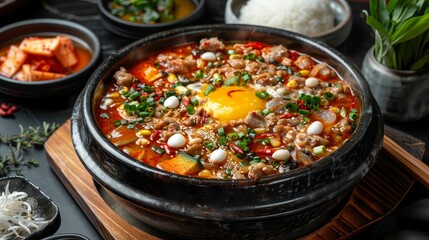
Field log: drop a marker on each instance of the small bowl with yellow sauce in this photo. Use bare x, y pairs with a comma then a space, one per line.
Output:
136, 20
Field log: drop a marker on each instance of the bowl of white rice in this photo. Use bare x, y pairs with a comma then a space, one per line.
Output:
327, 20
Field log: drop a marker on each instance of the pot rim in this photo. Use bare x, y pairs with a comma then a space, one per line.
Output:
367, 102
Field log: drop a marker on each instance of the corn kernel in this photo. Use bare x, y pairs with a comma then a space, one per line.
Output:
259, 130
123, 89
292, 84
304, 73
235, 56
172, 78
275, 142
121, 107
144, 132
335, 109
114, 95
324, 102
205, 174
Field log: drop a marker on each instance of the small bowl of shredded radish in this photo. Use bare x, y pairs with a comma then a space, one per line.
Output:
25, 211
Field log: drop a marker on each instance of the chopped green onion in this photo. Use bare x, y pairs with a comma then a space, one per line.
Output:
303, 112
231, 81
329, 96
251, 56
190, 109
209, 145
134, 95
244, 163
210, 88
104, 115
194, 101
265, 112
223, 140
262, 95
292, 106
148, 89
158, 150
259, 59
117, 123
241, 135
233, 135
319, 149
221, 132
353, 116
199, 74
246, 77
231, 51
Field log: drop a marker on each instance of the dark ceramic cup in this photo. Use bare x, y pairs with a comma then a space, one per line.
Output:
280, 206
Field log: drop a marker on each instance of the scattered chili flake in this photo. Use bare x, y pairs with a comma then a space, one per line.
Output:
7, 109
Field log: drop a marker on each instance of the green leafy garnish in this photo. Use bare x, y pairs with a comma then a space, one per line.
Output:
401, 30
20, 143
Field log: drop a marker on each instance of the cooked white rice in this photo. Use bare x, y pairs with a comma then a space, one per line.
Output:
307, 17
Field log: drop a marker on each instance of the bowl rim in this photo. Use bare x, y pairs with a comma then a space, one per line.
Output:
199, 6
54, 222
342, 3
366, 104
96, 52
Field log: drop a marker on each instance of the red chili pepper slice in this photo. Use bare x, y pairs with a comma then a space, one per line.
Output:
167, 148
235, 148
301, 104
232, 91
203, 117
7, 109
4, 106
263, 135
185, 101
136, 87
265, 151
255, 45
155, 136
293, 55
287, 115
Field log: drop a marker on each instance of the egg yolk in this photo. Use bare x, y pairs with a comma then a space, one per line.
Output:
232, 103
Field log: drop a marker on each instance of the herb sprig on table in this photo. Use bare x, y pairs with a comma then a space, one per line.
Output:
19, 143
401, 30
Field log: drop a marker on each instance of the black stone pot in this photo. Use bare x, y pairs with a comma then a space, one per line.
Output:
281, 206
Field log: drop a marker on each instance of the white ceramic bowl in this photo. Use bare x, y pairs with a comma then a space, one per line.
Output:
334, 36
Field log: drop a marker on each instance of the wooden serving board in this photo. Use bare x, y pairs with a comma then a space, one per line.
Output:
375, 196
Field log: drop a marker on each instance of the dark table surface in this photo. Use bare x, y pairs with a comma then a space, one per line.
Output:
34, 113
